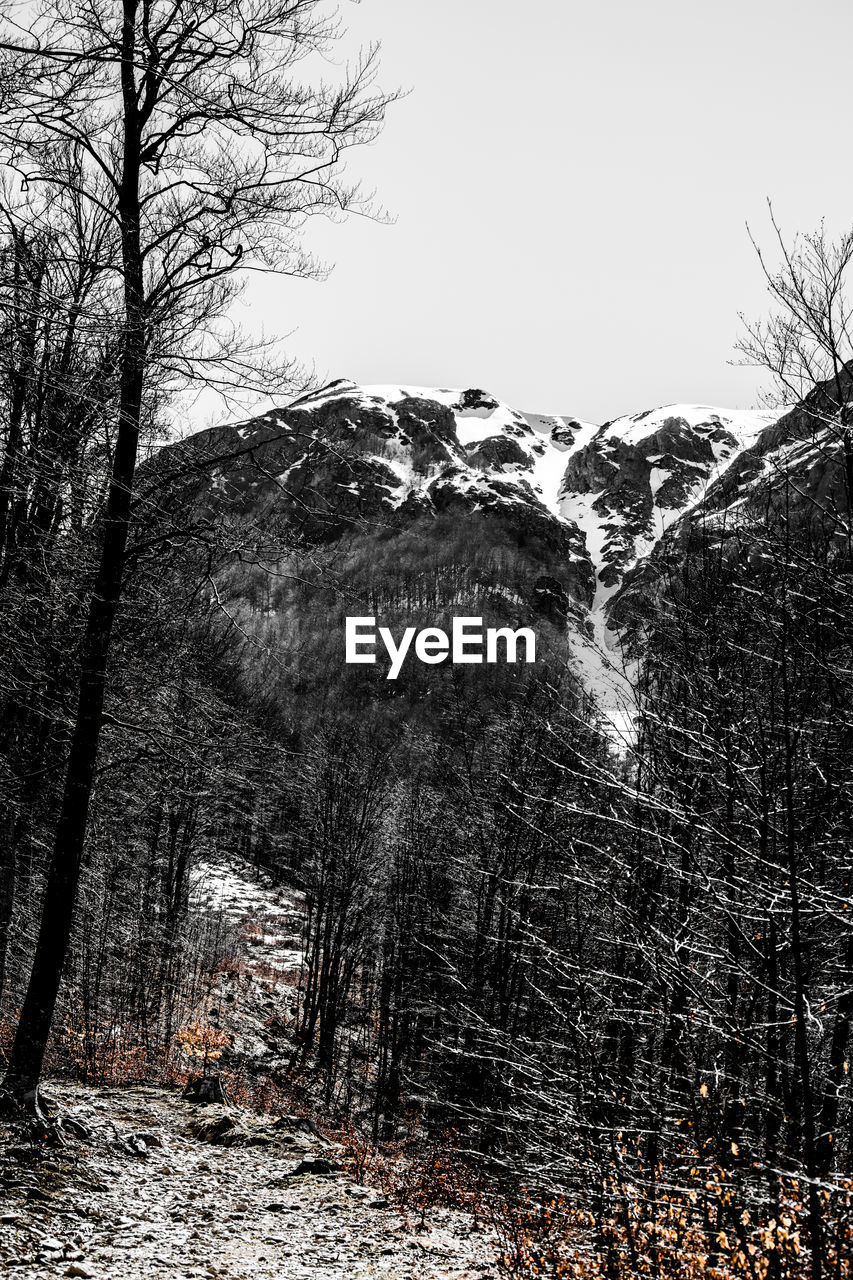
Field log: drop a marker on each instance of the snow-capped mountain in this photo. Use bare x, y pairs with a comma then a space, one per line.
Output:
588, 505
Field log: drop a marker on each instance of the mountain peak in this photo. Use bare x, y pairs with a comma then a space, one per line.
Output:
584, 504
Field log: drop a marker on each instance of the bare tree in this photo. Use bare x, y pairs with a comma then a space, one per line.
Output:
806, 341
56, 375
188, 129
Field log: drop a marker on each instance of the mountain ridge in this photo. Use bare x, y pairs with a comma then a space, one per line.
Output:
587, 505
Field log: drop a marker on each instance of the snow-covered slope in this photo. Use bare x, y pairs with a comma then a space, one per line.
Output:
638, 474
625, 487
542, 444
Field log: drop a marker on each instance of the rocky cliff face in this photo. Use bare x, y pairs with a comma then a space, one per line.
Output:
585, 509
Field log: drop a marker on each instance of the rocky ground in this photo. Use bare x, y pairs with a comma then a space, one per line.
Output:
253, 996
152, 1185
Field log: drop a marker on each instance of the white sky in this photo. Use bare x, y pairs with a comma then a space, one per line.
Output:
570, 181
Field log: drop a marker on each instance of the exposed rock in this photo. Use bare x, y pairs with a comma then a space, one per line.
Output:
320, 1166
205, 1089
75, 1127
549, 597
150, 1139
497, 453
301, 1124
213, 1128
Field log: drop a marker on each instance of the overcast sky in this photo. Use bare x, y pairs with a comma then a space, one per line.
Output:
570, 183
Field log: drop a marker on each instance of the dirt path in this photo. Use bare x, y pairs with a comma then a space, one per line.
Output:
140, 1196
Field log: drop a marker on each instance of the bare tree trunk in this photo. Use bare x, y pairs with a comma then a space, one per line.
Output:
836, 1068
8, 886
28, 1050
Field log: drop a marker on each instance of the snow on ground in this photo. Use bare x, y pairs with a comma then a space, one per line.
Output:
547, 425
269, 916
218, 886
596, 655
657, 477
597, 660
551, 454
402, 469
790, 457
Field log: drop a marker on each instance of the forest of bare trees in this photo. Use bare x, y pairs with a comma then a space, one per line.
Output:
177, 150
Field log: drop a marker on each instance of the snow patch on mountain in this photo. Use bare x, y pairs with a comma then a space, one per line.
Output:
745, 425
638, 474
541, 443
625, 487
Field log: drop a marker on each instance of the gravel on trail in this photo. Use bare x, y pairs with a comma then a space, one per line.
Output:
151, 1188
